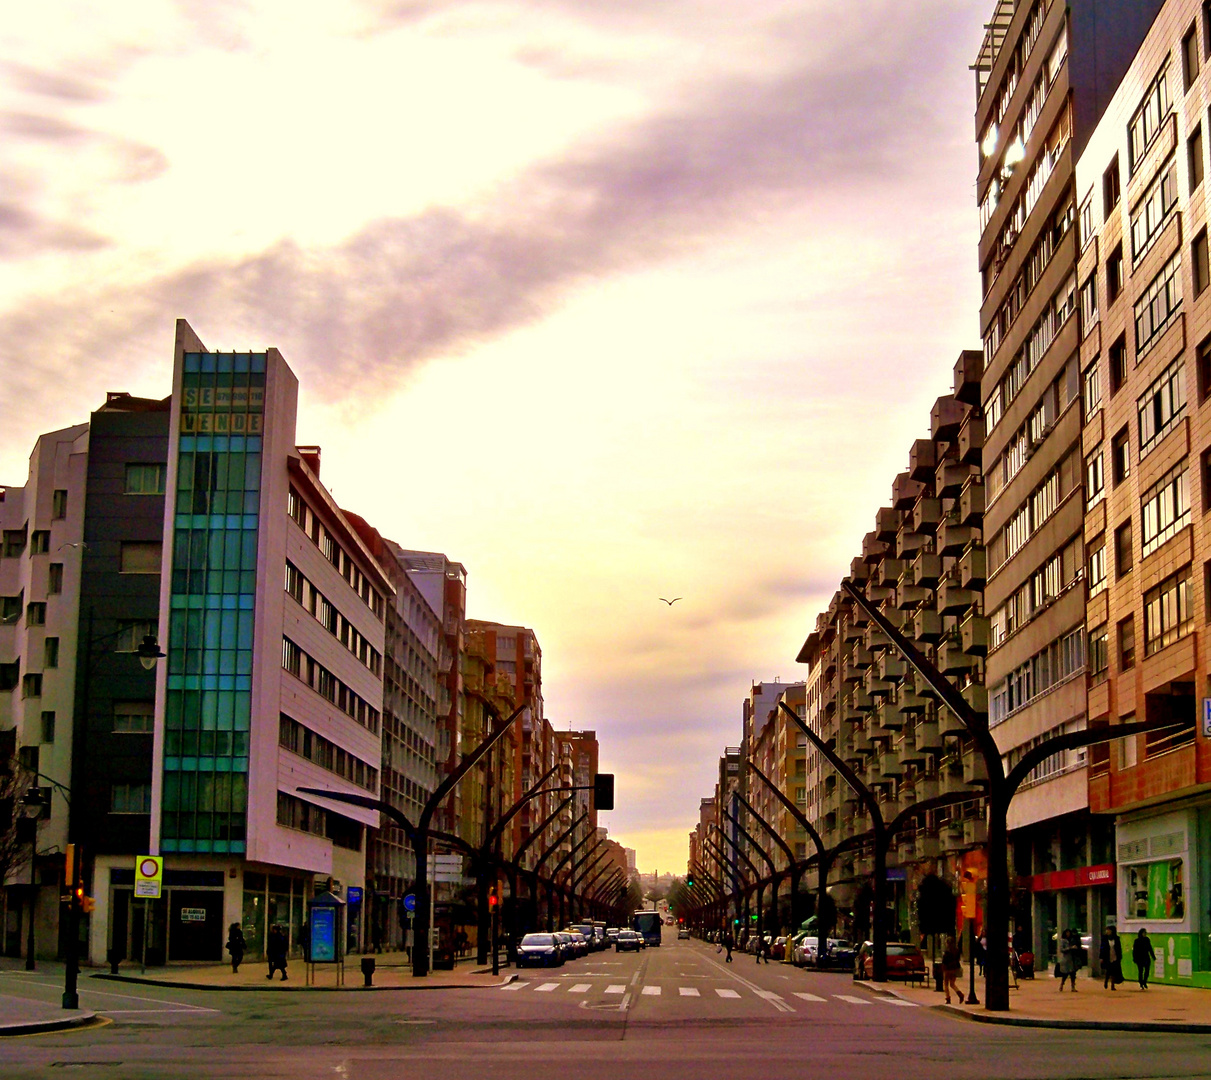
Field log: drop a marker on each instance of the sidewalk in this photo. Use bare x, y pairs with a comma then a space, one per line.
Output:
1039, 1003
24, 1016
392, 971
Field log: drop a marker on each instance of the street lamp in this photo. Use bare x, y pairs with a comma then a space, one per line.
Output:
32, 811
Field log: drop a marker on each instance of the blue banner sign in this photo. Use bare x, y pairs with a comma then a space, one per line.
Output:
353, 895
323, 935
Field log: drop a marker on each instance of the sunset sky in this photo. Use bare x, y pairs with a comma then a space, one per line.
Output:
606, 299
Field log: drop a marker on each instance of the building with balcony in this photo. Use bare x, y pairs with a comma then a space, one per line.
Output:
1044, 74
1145, 354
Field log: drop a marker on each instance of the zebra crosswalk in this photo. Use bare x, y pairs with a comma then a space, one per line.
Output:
723, 993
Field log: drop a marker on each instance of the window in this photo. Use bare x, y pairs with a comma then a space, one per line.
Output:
1126, 643
1094, 479
35, 613
1153, 210
1120, 457
130, 799
54, 578
1088, 304
1111, 189
1097, 567
1146, 122
1099, 656
134, 717
1205, 474
1155, 310
131, 633
1114, 274
1128, 748
31, 685
1167, 612
1207, 27
1091, 389
50, 652
1124, 556
58, 505
39, 542
1086, 219
1118, 365
139, 557
1165, 510
11, 607
1202, 359
14, 542
1190, 56
48, 727
294, 582
1161, 406
1194, 156
1200, 270
10, 675
145, 479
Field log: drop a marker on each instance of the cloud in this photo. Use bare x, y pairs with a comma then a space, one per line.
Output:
53, 84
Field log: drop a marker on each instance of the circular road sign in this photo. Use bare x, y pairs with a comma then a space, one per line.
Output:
410, 902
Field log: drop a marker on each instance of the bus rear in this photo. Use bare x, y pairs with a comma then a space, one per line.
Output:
647, 923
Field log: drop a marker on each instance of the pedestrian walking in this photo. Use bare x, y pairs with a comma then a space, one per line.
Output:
1065, 966
763, 950
729, 943
1112, 958
275, 951
236, 945
1143, 954
952, 968
977, 954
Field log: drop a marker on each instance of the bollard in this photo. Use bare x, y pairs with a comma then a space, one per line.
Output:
115, 958
368, 969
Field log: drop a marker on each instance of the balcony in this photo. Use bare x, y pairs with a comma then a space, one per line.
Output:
910, 597
907, 749
952, 660
927, 569
909, 541
925, 787
923, 460
926, 846
975, 769
973, 567
908, 700
872, 546
876, 593
954, 536
953, 599
975, 831
950, 478
887, 524
877, 686
927, 515
971, 438
927, 626
859, 570
861, 742
945, 419
971, 503
951, 838
950, 725
860, 700
976, 696
974, 634
859, 656
927, 737
890, 765
905, 491
967, 374
889, 716
854, 631
892, 667
889, 571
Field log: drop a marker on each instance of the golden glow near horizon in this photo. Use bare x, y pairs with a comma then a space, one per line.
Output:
600, 300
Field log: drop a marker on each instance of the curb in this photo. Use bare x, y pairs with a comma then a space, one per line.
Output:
85, 1018
1009, 1020
181, 984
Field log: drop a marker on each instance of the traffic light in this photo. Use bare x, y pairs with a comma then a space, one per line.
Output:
689, 881
493, 900
87, 903
603, 791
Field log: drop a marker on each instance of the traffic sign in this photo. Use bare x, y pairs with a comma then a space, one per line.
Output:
149, 873
353, 895
409, 902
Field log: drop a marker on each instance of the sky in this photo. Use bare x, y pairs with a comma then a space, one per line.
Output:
609, 300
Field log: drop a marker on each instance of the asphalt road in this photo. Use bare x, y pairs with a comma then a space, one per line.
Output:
676, 1012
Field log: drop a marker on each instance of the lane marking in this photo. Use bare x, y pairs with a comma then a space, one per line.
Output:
772, 998
129, 997
651, 991
769, 995
809, 997
898, 1001
546, 988
580, 988
852, 999
514, 985
689, 991
616, 989
726, 993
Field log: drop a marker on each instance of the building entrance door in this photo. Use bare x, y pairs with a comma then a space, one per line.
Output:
196, 924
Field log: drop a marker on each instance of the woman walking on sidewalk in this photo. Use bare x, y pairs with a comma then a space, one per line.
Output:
236, 946
952, 968
1143, 954
1066, 967
1111, 955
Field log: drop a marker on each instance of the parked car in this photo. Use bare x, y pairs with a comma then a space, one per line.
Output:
611, 935
777, 949
580, 943
904, 961
804, 950
628, 941
567, 948
585, 930
840, 953
539, 950
683, 933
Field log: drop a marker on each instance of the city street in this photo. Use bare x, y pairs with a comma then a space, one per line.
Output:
677, 1011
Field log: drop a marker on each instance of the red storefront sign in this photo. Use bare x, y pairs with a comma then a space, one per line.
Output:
1079, 878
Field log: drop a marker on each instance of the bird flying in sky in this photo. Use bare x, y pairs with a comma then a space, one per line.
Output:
670, 602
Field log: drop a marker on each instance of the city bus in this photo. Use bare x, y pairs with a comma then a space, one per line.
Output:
648, 923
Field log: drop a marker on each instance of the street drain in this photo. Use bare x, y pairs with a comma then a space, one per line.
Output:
416, 1021
83, 1064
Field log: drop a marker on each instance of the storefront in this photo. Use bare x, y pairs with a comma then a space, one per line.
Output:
1159, 862
186, 923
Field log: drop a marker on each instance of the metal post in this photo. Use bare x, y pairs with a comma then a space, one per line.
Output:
33, 896
971, 956
71, 999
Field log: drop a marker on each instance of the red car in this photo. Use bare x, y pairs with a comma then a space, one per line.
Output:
903, 961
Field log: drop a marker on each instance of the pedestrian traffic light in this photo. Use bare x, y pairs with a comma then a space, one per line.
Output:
493, 900
603, 791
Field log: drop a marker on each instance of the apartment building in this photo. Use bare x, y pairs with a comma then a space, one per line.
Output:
272, 614
923, 565
1044, 74
1146, 372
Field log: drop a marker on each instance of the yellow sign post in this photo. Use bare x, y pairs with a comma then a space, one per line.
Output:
149, 873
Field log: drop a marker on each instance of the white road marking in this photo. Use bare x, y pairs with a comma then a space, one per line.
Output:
689, 991
726, 993
899, 1001
651, 991
546, 988
580, 988
181, 1005
514, 985
851, 999
769, 996
809, 997
616, 989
